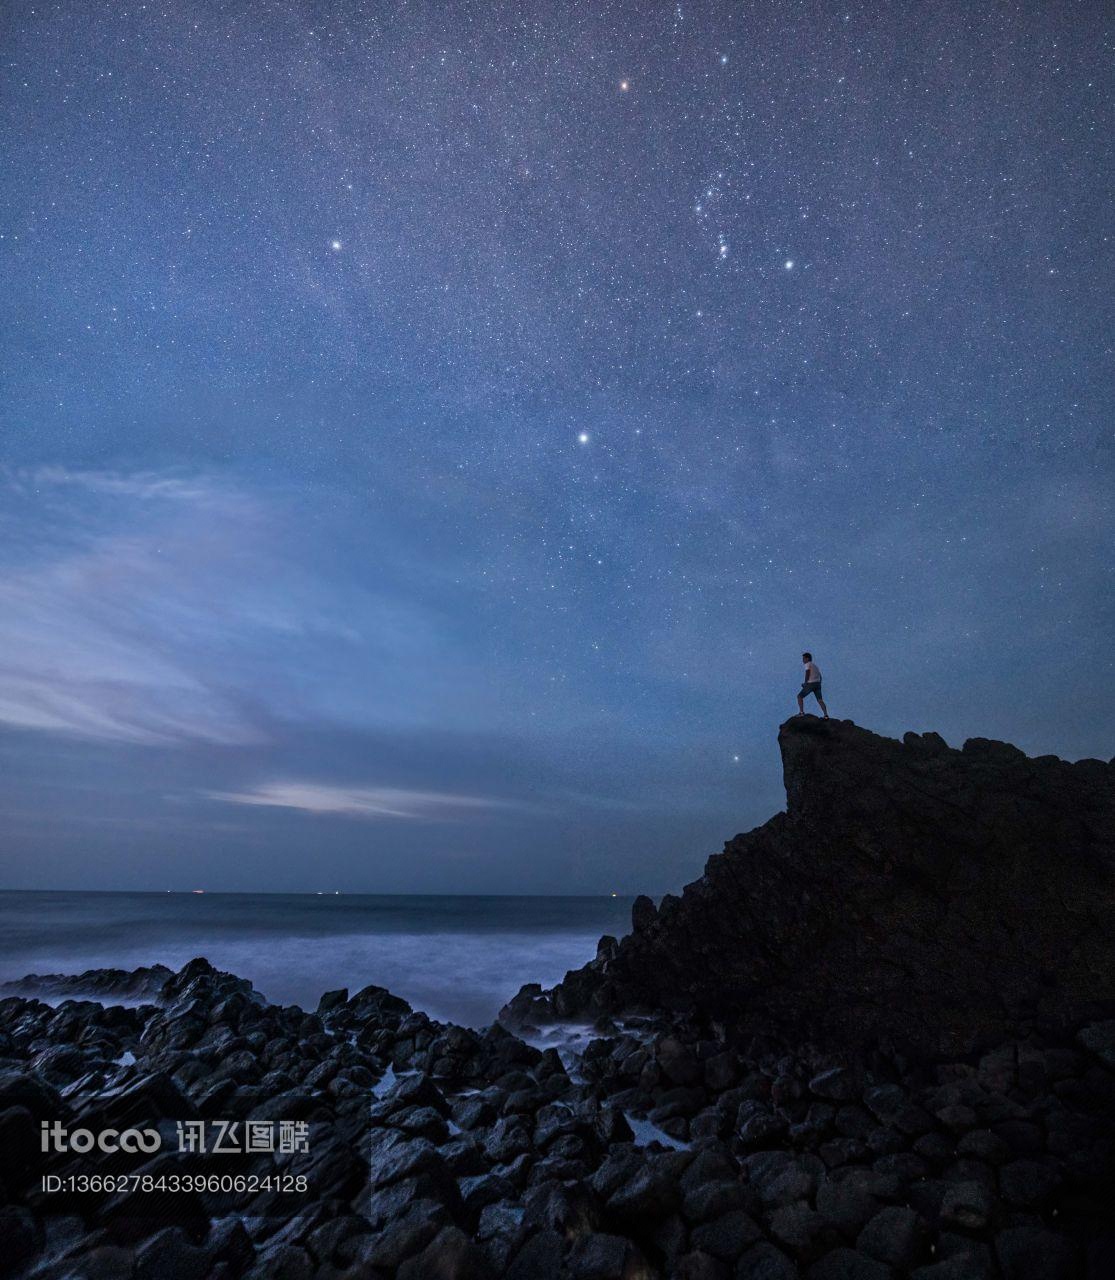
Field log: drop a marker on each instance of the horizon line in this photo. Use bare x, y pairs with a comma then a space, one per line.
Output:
319, 893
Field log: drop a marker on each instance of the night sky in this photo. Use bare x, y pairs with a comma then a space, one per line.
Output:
431, 433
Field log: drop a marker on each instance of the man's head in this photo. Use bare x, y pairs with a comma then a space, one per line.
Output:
807, 657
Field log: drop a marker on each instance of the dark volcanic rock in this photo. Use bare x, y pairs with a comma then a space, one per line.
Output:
895, 1235
910, 890
99, 984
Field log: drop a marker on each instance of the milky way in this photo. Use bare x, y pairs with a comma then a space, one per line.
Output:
483, 405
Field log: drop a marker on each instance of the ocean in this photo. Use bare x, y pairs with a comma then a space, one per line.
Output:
457, 958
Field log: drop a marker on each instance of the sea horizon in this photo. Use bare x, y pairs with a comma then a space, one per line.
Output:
457, 957
320, 893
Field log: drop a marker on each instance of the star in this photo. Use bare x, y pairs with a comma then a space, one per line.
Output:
624, 85
335, 245
583, 438
789, 264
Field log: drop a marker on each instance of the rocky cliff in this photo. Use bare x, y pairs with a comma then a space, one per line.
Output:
911, 892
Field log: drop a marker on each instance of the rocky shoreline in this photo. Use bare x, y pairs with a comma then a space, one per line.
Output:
875, 1041
664, 1149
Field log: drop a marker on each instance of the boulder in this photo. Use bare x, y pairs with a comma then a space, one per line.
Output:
1034, 1253
605, 1257
764, 1262
897, 1236
726, 1237
450, 1255
848, 1264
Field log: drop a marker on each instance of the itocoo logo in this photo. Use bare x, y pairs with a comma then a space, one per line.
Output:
56, 1137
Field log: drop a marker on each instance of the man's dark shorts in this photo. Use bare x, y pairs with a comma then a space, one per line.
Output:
812, 687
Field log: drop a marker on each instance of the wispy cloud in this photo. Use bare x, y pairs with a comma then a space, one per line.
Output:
170, 609
357, 802
148, 486
105, 603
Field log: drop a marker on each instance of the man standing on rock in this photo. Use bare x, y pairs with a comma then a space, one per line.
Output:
812, 685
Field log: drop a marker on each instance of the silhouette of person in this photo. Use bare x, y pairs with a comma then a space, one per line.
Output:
812, 685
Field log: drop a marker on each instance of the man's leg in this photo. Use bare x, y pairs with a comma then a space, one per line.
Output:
823, 707
801, 705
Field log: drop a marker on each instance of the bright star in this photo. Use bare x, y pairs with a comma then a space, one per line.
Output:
624, 85
335, 245
789, 264
583, 438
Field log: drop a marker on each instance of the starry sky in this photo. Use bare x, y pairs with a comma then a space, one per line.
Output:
431, 433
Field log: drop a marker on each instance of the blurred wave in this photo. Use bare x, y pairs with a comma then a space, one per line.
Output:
457, 958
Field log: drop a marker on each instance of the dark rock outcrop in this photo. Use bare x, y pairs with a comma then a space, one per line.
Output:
145, 983
910, 892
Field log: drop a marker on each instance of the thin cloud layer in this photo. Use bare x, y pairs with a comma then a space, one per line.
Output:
357, 802
102, 600
146, 485
170, 610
